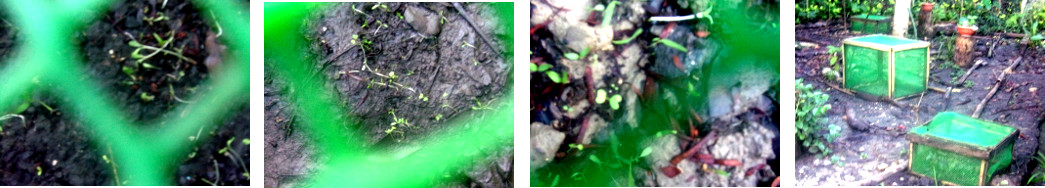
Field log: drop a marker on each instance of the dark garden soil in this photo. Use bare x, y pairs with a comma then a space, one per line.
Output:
872, 149
57, 144
420, 62
711, 88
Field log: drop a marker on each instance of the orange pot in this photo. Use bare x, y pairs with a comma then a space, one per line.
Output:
967, 30
927, 7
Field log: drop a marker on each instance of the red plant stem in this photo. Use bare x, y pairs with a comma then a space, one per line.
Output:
727, 162
667, 30
776, 182
591, 85
692, 150
752, 170
696, 116
584, 128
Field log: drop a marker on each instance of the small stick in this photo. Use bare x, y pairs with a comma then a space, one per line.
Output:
997, 84
464, 14
917, 117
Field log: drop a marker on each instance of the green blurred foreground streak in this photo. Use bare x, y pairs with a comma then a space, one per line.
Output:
347, 164
146, 156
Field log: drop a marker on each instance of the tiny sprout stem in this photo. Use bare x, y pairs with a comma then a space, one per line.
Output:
607, 15
627, 40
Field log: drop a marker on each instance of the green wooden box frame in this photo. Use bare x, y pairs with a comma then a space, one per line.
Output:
960, 140
860, 23
892, 50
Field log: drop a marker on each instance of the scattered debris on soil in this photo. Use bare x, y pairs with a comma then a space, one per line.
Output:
618, 100
872, 150
404, 70
145, 93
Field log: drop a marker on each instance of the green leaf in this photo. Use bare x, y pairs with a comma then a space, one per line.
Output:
134, 44
607, 16
555, 181
1037, 37
584, 52
646, 152
554, 76
22, 107
633, 36
595, 159
136, 54
533, 67
615, 101
544, 67
600, 96
246, 141
672, 44
572, 56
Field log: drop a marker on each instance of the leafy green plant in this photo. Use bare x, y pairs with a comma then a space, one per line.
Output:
1039, 175
552, 75
832, 72
810, 124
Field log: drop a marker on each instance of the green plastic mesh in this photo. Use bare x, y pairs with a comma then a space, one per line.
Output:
145, 156
867, 68
953, 167
910, 72
870, 24
347, 161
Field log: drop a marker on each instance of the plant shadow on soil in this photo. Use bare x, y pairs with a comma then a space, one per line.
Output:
75, 159
872, 149
400, 83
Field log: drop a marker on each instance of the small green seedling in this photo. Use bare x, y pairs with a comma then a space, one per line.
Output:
480, 106
627, 40
576, 56
600, 96
557, 78
147, 97
607, 16
615, 101
669, 43
539, 68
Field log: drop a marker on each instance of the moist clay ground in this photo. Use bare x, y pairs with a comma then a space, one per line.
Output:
617, 105
419, 63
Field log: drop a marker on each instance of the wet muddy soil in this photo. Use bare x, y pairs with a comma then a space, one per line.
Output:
624, 105
872, 149
32, 157
422, 63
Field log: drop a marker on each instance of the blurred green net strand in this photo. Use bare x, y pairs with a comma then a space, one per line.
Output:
347, 165
144, 155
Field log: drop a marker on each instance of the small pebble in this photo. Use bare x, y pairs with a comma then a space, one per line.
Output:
882, 166
54, 162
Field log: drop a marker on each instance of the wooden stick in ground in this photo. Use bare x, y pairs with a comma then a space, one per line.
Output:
468, 19
967, 73
997, 84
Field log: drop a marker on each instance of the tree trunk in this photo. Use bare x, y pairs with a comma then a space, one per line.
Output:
963, 51
901, 17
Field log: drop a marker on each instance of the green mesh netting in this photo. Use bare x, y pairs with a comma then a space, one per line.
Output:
953, 167
866, 70
910, 72
867, 67
870, 24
